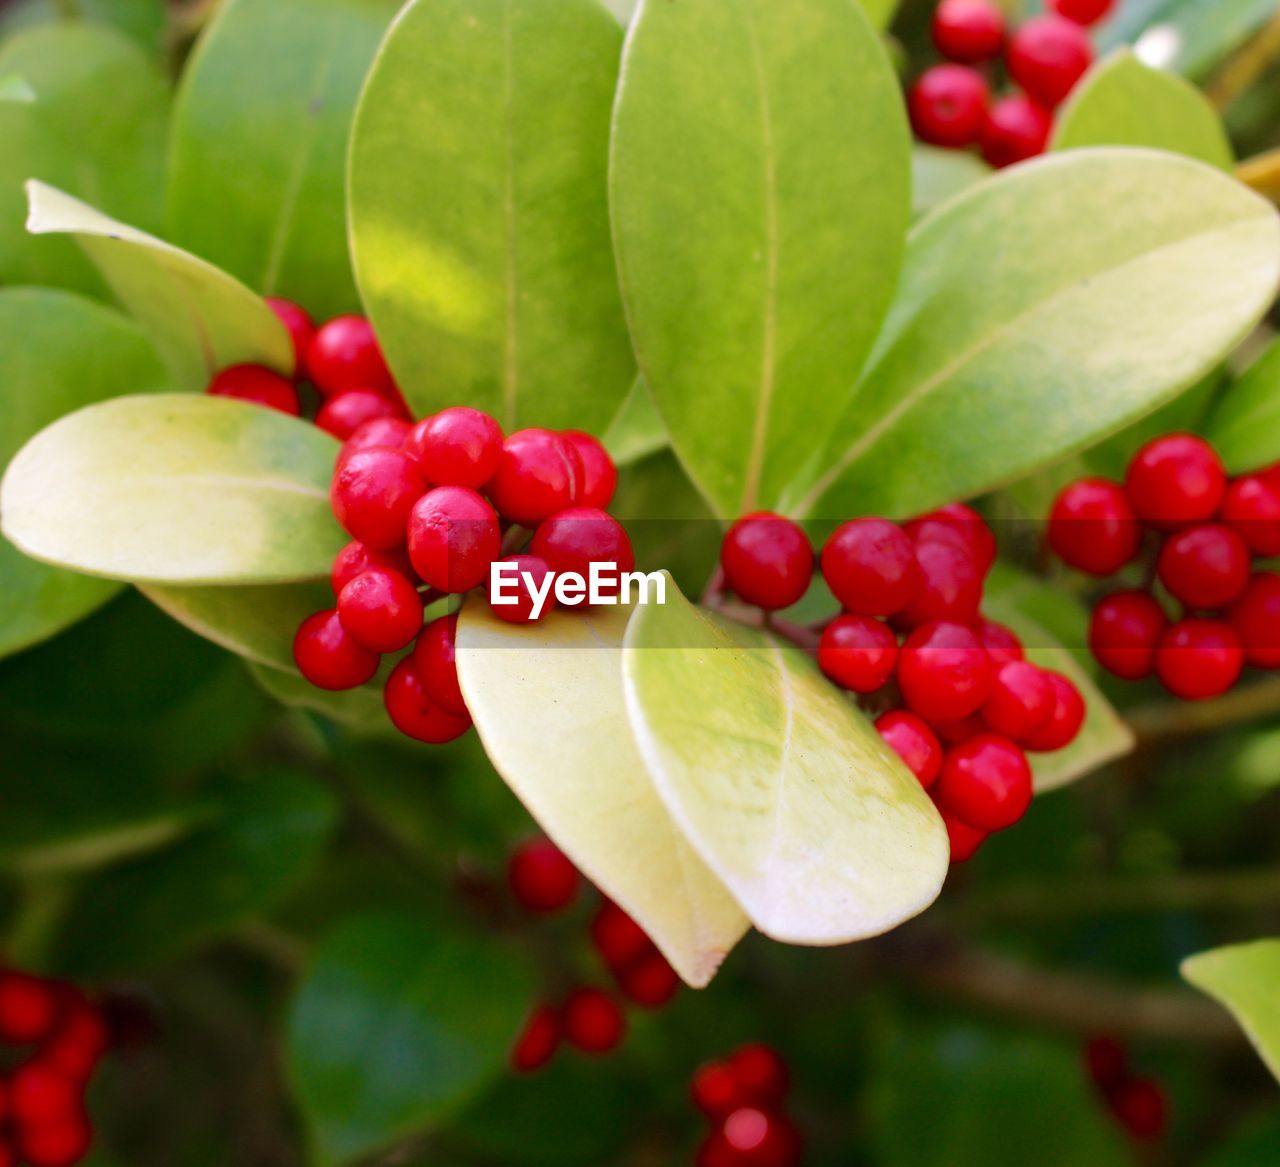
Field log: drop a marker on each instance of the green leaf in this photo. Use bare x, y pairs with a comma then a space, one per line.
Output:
199, 318
257, 181
16, 89
1243, 978
360, 710
937, 175
143, 21
176, 489
97, 127
880, 12
1042, 311
1244, 426
559, 683
271, 830
1123, 102
784, 789
1252, 1144
395, 1027
757, 245
482, 247
637, 430
61, 352
1189, 36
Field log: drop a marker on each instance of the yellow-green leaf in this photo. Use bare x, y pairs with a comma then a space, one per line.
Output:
1244, 425
1246, 979
786, 792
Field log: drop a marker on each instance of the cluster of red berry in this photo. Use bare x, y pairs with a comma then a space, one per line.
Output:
1138, 1104
61, 1037
954, 677
743, 1096
951, 104
1188, 536
544, 882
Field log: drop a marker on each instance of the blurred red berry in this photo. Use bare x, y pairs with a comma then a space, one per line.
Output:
948, 105
592, 1021
1085, 12
1016, 129
1206, 567
28, 1008
258, 386
301, 329
968, 31
1124, 630
1093, 527
344, 414
541, 876
1198, 659
650, 982
1256, 619
537, 1042
1251, 509
1175, 481
618, 939
761, 1074
344, 356
1047, 55
1064, 723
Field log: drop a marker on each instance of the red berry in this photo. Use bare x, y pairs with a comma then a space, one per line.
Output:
28, 1008
914, 742
1251, 508
950, 587
761, 1139
1106, 1062
1002, 644
258, 386
61, 1144
767, 561
40, 1095
328, 655
1085, 12
1140, 1106
344, 356
961, 729
379, 433
1124, 631
1256, 618
618, 939
435, 656
961, 526
599, 479
347, 412
1047, 56
574, 539
1022, 699
373, 493
943, 671
969, 31
541, 876
413, 713
537, 476
1175, 481
80, 1042
458, 447
761, 1074
964, 839
650, 983
537, 1042
948, 105
454, 537
870, 567
592, 1021
381, 609
520, 610
1092, 526
301, 329
714, 1090
858, 653
355, 559
986, 783
1205, 566
1199, 659
1016, 129
1064, 723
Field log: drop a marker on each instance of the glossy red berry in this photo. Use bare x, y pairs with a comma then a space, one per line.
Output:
28, 1008
1066, 720
379, 433
355, 559
1124, 630
599, 480
459, 447
950, 585
618, 939
960, 729
328, 655
541, 876
968, 31
1176, 480
435, 655
1106, 1063
761, 1074
259, 386
944, 671
344, 356
537, 476
650, 982
870, 567
948, 106
373, 494
961, 526
60, 1144
767, 561
1251, 509
454, 537
714, 1090
1016, 129
297, 320
1205, 566
518, 605
1022, 699
986, 783
537, 1042
914, 742
1085, 12
858, 653
381, 609
1198, 659
1256, 619
964, 839
592, 1021
1140, 1106
1002, 643
574, 539
1093, 527
1047, 56
413, 712
342, 415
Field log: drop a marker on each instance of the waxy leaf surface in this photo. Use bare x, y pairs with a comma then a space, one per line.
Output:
1243, 977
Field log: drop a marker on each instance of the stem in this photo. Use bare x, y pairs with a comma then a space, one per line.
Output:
1169, 719
1243, 69
804, 638
1262, 174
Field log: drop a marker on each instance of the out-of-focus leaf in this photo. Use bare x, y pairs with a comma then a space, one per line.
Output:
937, 175
1244, 425
637, 430
1243, 977
143, 21
361, 710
